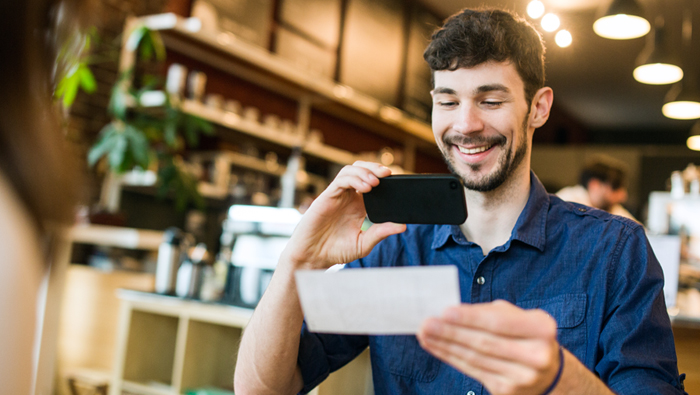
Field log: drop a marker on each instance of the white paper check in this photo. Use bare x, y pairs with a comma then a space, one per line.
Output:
376, 301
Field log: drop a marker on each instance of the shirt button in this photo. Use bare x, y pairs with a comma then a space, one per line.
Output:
583, 210
471, 393
480, 280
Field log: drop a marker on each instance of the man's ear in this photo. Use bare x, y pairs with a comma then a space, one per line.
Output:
541, 104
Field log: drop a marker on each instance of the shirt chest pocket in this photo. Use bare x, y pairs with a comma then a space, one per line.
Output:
403, 356
569, 311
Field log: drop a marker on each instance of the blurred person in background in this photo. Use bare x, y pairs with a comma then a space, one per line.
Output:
603, 185
37, 182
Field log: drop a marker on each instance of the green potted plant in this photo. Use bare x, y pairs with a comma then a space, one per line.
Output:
140, 136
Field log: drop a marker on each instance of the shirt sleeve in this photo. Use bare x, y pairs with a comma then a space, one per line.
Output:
636, 342
320, 354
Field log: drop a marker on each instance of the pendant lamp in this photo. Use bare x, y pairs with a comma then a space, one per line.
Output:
694, 139
658, 64
623, 20
683, 100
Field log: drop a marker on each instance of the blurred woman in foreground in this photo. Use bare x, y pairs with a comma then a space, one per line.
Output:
36, 175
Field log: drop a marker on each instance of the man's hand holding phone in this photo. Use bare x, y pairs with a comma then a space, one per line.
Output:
330, 231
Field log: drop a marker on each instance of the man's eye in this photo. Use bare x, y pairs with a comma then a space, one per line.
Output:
493, 103
447, 103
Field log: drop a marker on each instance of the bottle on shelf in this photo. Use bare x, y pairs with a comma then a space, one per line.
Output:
168, 264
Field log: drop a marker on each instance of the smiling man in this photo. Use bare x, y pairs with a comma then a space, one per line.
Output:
557, 299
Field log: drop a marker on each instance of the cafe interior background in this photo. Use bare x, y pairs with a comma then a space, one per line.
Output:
189, 112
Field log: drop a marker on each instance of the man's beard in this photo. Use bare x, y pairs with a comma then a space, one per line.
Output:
504, 168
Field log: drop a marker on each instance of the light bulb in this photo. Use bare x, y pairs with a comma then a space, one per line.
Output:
563, 38
682, 110
550, 22
621, 27
658, 73
535, 9
693, 143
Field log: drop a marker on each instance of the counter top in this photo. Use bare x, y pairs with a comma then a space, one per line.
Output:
179, 307
686, 313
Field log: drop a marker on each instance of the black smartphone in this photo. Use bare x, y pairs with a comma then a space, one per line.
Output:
417, 199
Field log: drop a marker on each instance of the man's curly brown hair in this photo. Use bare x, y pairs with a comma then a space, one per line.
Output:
472, 37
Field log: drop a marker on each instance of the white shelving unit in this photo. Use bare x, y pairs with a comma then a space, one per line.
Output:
168, 345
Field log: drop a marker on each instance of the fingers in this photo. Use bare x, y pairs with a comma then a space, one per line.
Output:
497, 343
376, 168
532, 352
503, 318
498, 375
361, 176
378, 232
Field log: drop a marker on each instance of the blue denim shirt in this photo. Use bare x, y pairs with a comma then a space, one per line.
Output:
593, 272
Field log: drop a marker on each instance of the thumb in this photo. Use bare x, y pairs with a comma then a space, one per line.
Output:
378, 232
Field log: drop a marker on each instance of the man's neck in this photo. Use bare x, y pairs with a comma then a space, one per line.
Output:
492, 215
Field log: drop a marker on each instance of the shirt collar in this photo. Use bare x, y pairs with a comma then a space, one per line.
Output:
529, 229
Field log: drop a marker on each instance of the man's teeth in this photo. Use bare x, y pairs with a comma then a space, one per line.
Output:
472, 151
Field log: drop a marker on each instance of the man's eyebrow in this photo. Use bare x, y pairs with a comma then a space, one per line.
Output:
491, 88
443, 90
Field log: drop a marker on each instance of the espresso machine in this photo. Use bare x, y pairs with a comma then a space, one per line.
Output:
252, 241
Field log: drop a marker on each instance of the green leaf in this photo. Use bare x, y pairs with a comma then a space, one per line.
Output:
116, 155
132, 43
69, 86
148, 42
146, 47
158, 45
170, 133
138, 146
127, 163
118, 102
182, 184
103, 145
87, 79
191, 132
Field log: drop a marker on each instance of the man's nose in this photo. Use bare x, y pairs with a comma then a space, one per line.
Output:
469, 120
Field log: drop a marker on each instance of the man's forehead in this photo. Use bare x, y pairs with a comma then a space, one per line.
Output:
487, 76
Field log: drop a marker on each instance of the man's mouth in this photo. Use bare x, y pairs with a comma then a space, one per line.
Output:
476, 150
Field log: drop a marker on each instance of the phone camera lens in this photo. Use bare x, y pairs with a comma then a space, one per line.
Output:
453, 184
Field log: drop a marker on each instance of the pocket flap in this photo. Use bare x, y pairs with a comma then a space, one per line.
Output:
568, 310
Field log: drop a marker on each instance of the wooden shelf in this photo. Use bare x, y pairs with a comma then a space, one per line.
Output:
114, 236
229, 53
236, 122
255, 129
152, 388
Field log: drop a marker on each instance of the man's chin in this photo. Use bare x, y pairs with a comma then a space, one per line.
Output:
475, 180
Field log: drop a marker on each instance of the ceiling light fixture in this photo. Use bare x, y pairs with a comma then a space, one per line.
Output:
563, 38
623, 20
693, 141
550, 22
683, 100
535, 9
657, 64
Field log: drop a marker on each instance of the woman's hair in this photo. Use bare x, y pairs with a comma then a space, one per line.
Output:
472, 37
33, 148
